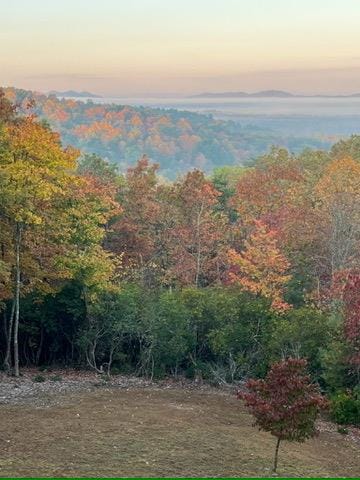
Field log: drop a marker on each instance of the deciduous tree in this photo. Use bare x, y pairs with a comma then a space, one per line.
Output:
261, 268
285, 403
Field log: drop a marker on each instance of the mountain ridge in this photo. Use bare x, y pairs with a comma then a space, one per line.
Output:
74, 94
267, 94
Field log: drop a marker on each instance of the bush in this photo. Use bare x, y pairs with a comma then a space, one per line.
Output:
44, 368
115, 371
239, 335
56, 378
302, 332
345, 408
39, 378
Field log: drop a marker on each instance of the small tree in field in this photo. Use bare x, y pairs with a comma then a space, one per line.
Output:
285, 403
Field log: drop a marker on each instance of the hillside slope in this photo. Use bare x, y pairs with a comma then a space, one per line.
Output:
177, 140
155, 432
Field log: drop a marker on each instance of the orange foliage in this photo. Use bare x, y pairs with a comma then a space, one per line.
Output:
261, 267
189, 142
105, 131
136, 121
262, 192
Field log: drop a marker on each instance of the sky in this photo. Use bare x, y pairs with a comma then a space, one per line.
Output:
181, 47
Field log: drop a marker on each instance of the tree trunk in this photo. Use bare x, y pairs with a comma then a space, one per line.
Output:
9, 334
39, 350
276, 455
17, 299
112, 348
198, 245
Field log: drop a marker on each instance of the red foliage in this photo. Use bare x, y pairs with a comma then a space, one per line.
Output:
347, 287
197, 240
133, 234
352, 307
285, 403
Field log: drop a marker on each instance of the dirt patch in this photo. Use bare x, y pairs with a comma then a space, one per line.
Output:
152, 430
57, 384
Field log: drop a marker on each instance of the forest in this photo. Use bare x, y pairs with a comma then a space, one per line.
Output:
176, 140
209, 276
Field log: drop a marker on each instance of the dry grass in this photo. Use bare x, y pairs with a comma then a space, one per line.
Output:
157, 432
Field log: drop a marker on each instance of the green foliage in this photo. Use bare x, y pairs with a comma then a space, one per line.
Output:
336, 371
301, 333
171, 336
241, 332
210, 333
225, 179
347, 148
92, 164
345, 407
39, 378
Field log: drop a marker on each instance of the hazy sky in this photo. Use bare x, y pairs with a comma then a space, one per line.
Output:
136, 47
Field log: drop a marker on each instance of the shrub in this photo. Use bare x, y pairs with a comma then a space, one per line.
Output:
39, 378
56, 378
44, 368
115, 371
345, 408
302, 332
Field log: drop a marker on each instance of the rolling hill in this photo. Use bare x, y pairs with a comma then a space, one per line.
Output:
177, 140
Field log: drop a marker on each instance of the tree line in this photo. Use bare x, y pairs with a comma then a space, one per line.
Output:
213, 277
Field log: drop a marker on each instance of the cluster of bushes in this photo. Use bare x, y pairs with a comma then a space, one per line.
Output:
345, 407
218, 333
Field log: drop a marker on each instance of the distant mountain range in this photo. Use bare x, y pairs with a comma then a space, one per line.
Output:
74, 93
266, 93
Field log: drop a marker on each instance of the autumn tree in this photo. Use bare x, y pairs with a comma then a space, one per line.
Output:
134, 232
197, 240
338, 208
86, 222
321, 230
285, 403
346, 288
351, 299
261, 268
43, 205
262, 191
33, 171
7, 109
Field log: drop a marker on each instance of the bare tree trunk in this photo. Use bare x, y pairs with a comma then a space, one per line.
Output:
198, 253
276, 455
17, 299
112, 349
39, 350
9, 333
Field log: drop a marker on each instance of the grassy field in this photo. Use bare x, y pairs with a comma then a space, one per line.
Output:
158, 432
